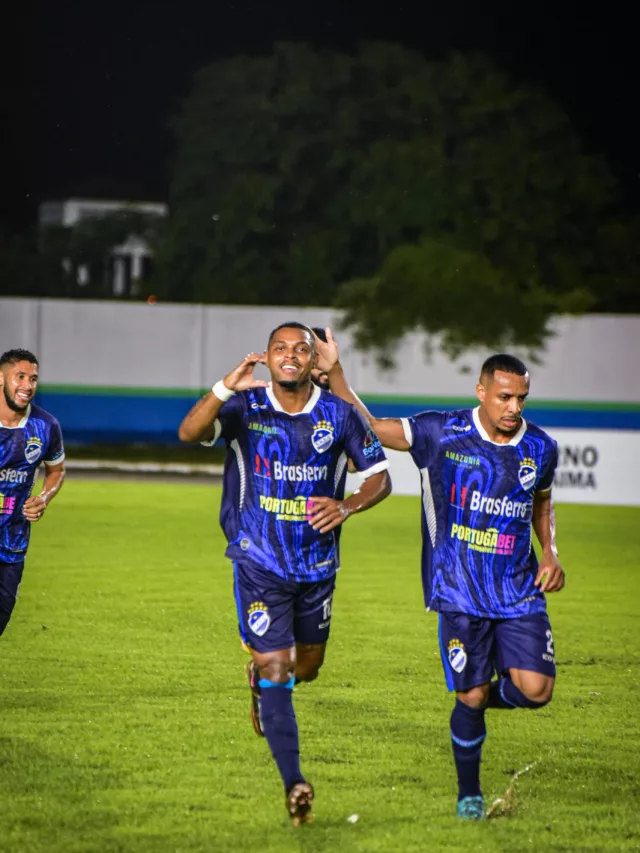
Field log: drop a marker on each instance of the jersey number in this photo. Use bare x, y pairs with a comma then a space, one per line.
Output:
550, 649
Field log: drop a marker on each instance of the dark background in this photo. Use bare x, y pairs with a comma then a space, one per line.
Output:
89, 86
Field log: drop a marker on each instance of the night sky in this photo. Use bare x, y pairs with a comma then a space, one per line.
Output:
88, 98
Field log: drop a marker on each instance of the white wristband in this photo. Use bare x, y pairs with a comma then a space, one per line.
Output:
222, 392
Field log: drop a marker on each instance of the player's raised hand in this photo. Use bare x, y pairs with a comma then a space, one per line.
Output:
327, 355
242, 377
550, 577
326, 513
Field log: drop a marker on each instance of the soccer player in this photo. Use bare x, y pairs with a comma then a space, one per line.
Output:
319, 377
282, 507
486, 481
28, 437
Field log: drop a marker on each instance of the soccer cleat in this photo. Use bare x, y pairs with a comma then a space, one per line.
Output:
471, 808
298, 803
253, 677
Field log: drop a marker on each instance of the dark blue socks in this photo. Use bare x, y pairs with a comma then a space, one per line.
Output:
468, 732
281, 729
504, 694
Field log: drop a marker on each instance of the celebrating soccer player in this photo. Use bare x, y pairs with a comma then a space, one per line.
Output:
28, 437
486, 480
282, 507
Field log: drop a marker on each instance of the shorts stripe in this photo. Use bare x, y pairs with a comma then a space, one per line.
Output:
236, 595
445, 661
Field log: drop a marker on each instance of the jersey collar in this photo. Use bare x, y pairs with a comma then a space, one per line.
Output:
313, 399
517, 438
23, 421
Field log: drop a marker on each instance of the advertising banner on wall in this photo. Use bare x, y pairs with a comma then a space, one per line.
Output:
595, 467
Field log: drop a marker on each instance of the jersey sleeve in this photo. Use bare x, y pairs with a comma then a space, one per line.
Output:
422, 433
549, 465
229, 420
55, 447
362, 446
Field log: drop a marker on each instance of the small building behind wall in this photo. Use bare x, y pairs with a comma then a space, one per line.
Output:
127, 263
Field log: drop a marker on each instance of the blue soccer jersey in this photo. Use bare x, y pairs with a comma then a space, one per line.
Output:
276, 464
36, 439
477, 503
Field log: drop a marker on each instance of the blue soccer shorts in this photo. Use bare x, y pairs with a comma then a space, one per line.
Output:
274, 613
10, 577
473, 648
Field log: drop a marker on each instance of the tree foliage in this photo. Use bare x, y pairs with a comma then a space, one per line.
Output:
415, 194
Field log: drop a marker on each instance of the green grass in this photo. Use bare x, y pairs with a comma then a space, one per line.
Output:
124, 713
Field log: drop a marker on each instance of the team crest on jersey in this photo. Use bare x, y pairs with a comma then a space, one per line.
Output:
33, 450
527, 473
322, 436
457, 655
259, 619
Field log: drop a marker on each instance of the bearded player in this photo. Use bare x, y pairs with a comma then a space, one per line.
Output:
282, 509
29, 436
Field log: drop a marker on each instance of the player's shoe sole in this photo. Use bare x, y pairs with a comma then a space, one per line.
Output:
253, 677
471, 808
298, 803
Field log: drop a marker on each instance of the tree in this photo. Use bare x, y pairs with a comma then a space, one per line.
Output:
444, 195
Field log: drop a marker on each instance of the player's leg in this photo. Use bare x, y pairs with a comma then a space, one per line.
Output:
265, 612
311, 627
466, 644
10, 577
525, 658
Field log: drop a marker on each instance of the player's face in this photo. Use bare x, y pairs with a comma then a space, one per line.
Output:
19, 383
502, 399
290, 357
320, 378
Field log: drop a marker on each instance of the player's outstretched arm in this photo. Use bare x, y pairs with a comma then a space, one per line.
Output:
550, 577
389, 430
327, 513
35, 505
198, 424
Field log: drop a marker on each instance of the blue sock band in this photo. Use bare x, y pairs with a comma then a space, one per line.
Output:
504, 694
288, 685
281, 729
468, 731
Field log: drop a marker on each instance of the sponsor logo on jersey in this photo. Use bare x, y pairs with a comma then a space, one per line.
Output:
461, 459
33, 450
259, 619
285, 509
457, 655
502, 506
13, 475
245, 544
322, 436
265, 429
299, 473
7, 504
527, 474
489, 541
457, 428
371, 444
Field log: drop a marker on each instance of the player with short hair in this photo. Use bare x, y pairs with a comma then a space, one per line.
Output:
282, 508
29, 436
486, 481
319, 377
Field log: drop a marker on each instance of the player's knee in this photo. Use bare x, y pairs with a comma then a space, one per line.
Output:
276, 670
308, 673
476, 697
539, 693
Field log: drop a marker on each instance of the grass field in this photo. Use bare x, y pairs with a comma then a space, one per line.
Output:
124, 712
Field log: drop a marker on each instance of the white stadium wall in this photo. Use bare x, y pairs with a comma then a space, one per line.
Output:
121, 371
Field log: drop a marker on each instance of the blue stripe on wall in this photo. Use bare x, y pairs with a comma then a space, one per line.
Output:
119, 419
